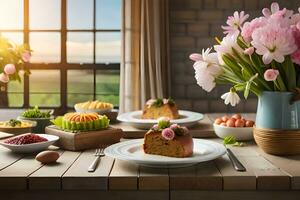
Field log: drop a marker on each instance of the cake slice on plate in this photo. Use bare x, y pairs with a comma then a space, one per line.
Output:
156, 108
168, 140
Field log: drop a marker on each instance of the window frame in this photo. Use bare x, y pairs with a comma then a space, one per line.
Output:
63, 66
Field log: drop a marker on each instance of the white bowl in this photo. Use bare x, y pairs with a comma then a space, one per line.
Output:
34, 147
240, 133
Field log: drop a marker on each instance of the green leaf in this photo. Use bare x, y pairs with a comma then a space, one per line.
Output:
231, 140
290, 73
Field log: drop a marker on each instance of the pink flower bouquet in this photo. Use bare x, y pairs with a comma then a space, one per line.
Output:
258, 55
12, 59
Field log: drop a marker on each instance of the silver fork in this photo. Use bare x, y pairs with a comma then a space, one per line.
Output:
98, 154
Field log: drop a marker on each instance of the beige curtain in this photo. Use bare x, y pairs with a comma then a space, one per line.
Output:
145, 53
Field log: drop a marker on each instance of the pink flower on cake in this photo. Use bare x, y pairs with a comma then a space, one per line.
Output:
234, 23
4, 78
174, 126
9, 69
273, 42
168, 134
26, 56
271, 74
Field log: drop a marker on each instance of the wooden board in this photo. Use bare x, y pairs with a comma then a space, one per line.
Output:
85, 140
77, 176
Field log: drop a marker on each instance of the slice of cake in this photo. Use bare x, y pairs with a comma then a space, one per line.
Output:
168, 140
156, 108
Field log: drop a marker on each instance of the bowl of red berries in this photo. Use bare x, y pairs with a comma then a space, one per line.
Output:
29, 142
236, 126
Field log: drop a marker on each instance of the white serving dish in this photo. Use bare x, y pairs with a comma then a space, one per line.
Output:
187, 118
132, 151
99, 111
240, 133
34, 147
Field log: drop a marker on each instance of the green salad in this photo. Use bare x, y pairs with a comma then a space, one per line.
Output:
36, 113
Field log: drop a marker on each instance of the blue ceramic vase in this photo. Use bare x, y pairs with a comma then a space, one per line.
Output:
274, 111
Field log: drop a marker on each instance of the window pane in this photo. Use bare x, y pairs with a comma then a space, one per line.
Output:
107, 86
16, 37
44, 88
80, 86
80, 14
15, 92
108, 14
11, 14
108, 47
80, 47
44, 14
45, 46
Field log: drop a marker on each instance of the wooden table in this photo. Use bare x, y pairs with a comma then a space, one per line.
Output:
267, 177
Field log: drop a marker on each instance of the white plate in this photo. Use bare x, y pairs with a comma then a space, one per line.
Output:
34, 147
131, 150
187, 118
99, 111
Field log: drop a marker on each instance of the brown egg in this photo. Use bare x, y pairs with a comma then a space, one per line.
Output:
239, 123
225, 118
218, 121
249, 123
236, 116
47, 157
231, 122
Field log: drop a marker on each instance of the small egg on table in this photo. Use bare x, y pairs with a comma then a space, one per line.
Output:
47, 157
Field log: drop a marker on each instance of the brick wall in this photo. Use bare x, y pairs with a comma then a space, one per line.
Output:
193, 25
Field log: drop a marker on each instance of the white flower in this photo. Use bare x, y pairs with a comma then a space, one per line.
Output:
231, 97
226, 46
207, 69
235, 22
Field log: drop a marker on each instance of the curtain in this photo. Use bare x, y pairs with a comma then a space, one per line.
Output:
145, 62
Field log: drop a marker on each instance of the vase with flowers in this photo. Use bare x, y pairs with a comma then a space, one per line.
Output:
261, 56
12, 60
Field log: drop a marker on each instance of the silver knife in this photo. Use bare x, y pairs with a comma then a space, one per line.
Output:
238, 166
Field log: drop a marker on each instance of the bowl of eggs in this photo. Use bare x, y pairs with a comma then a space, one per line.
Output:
236, 126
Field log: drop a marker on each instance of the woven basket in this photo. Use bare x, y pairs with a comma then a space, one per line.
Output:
278, 142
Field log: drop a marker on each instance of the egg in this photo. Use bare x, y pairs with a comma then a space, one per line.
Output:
230, 122
239, 123
218, 121
236, 116
249, 123
47, 157
225, 118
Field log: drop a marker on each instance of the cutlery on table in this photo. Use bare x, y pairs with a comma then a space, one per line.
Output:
98, 154
238, 166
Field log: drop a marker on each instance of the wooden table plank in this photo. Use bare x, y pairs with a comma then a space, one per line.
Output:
50, 176
77, 176
269, 177
289, 164
15, 175
153, 178
183, 178
234, 180
123, 176
7, 157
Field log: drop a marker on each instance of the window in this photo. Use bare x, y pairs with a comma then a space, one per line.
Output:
77, 48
